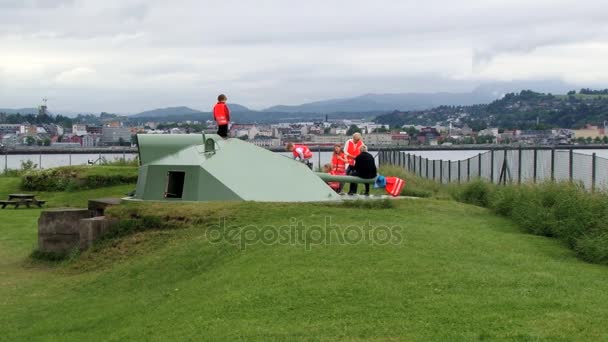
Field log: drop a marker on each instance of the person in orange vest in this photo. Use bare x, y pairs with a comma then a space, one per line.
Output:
352, 149
339, 160
337, 186
301, 152
338, 163
221, 114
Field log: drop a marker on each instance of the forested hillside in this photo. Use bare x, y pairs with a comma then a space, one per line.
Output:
524, 110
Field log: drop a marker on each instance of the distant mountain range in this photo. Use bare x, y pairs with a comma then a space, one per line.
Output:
183, 111
364, 106
483, 94
240, 113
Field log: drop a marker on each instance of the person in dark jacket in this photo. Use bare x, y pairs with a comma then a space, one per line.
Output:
365, 167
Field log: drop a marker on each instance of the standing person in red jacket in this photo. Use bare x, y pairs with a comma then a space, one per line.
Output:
221, 114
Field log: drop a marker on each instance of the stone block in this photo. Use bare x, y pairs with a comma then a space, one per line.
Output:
59, 229
92, 229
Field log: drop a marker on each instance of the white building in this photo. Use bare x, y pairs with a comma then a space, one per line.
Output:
79, 129
113, 135
9, 128
328, 139
489, 131
90, 140
376, 139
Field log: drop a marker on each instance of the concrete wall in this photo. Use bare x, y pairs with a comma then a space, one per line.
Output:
92, 229
62, 230
59, 229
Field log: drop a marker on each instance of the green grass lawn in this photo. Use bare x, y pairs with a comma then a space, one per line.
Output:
458, 273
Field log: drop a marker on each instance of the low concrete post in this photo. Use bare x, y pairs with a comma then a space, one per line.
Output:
59, 229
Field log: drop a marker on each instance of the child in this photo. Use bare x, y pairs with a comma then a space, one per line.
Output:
301, 152
334, 185
338, 163
221, 114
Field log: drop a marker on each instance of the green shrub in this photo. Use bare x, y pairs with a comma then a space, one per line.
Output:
121, 162
530, 212
26, 166
504, 199
477, 192
577, 212
71, 178
593, 248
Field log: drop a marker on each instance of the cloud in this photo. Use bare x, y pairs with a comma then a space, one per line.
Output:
136, 54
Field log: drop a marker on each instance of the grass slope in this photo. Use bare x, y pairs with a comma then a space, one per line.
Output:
460, 273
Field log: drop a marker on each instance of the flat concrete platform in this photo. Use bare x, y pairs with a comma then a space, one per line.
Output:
342, 197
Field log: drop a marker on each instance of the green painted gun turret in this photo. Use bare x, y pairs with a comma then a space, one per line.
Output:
194, 167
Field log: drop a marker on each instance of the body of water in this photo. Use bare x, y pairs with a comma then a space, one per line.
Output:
54, 160
45, 161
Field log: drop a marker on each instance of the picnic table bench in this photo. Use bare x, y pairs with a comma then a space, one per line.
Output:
22, 199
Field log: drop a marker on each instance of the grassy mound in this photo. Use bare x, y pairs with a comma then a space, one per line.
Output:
561, 210
259, 271
70, 178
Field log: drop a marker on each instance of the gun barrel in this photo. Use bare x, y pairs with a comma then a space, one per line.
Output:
345, 179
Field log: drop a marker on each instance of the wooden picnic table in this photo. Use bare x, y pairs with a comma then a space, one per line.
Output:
19, 199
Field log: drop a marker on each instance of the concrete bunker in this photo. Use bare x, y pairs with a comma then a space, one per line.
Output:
196, 167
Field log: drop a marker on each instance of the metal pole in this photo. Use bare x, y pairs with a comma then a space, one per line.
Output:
440, 171
553, 164
535, 165
459, 171
570, 166
492, 166
70, 154
593, 172
319, 159
426, 166
414, 166
5, 161
519, 166
479, 166
420, 165
409, 162
449, 171
434, 169
40, 161
468, 169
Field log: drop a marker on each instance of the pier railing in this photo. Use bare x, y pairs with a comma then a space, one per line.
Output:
508, 166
